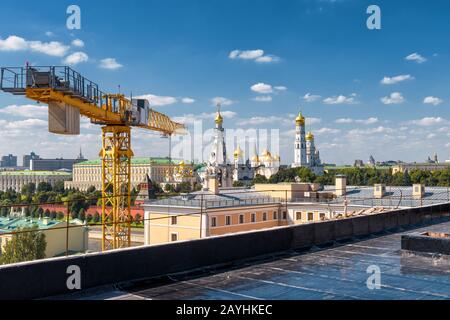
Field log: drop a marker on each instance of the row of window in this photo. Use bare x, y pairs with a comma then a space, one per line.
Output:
228, 221
310, 216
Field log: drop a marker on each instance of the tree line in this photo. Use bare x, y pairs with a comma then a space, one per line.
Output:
362, 177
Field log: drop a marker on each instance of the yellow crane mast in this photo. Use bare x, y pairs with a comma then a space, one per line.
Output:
69, 96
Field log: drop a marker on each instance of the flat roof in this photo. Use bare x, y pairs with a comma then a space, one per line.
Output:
34, 173
333, 273
12, 224
134, 161
226, 198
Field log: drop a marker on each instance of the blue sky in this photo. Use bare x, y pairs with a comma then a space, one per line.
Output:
267, 58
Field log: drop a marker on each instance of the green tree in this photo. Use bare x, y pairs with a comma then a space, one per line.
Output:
260, 179
26, 245
169, 188
138, 218
52, 215
238, 184
82, 214
59, 187
28, 189
44, 187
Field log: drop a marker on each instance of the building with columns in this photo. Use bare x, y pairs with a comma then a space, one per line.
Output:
305, 152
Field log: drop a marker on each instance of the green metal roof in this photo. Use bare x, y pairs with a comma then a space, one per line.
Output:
13, 224
135, 161
34, 173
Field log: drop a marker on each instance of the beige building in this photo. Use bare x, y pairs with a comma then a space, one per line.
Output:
55, 234
17, 179
89, 173
205, 214
215, 211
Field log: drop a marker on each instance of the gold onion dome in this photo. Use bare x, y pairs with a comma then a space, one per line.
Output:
182, 163
300, 120
309, 136
255, 158
219, 118
238, 152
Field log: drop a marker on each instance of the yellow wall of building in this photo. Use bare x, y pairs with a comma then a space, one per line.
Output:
56, 239
189, 227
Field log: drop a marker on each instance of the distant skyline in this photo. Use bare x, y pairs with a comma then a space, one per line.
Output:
366, 92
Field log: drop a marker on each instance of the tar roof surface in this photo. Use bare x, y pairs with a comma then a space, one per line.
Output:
338, 272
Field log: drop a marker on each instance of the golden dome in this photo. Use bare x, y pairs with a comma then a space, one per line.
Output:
309, 136
219, 118
255, 158
238, 152
182, 163
277, 158
300, 120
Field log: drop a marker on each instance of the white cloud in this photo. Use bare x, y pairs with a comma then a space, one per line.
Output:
25, 124
76, 58
255, 55
15, 43
431, 135
263, 99
416, 57
49, 34
393, 98
280, 88
158, 101
78, 43
262, 88
429, 121
396, 79
26, 110
433, 100
191, 118
380, 129
341, 99
367, 121
223, 101
268, 59
187, 100
246, 54
327, 131
260, 120
110, 64
311, 97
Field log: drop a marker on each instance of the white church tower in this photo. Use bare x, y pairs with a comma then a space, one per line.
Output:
218, 154
300, 142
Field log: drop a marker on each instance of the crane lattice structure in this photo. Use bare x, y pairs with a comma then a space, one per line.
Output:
69, 96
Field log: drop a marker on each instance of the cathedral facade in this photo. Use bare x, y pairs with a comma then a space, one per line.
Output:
305, 152
225, 172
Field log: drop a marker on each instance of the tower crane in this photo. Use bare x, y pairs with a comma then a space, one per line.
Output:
69, 96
